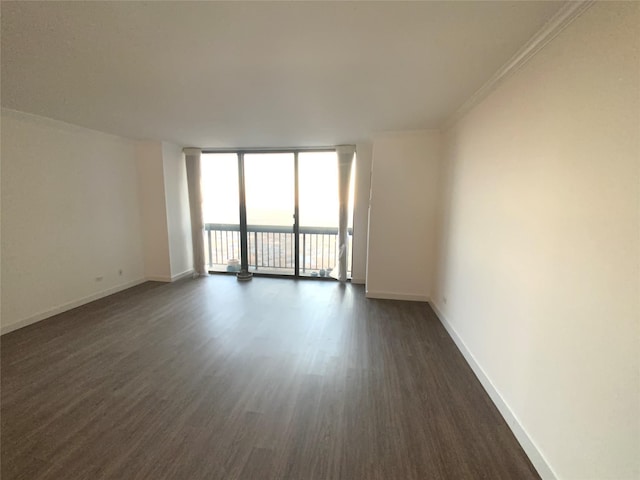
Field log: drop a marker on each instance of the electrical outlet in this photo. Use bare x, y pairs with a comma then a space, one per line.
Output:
444, 299
120, 272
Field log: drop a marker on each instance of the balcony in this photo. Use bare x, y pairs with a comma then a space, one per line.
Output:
271, 249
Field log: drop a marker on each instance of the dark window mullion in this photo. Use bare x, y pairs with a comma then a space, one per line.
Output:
244, 261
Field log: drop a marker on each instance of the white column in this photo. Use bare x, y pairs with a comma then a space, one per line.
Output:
345, 161
192, 158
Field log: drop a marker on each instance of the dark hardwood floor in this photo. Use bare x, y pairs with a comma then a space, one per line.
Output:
270, 379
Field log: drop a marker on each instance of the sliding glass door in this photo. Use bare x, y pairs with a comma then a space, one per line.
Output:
276, 212
270, 204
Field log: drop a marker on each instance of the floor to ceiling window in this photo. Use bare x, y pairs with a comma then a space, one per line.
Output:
285, 218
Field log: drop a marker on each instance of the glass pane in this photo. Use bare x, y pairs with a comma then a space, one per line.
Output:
221, 211
269, 193
318, 204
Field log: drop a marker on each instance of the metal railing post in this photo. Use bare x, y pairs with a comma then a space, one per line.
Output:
304, 252
255, 246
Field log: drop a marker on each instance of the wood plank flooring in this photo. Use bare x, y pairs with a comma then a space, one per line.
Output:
269, 379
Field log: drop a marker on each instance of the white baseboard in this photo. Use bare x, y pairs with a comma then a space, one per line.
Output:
396, 296
169, 279
533, 452
158, 278
358, 281
180, 276
68, 306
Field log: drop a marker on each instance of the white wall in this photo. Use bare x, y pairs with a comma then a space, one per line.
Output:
361, 212
539, 245
402, 215
177, 206
151, 191
69, 215
164, 203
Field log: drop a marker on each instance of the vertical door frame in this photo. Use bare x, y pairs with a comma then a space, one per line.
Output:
244, 243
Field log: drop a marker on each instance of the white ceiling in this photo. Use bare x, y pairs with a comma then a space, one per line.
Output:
240, 74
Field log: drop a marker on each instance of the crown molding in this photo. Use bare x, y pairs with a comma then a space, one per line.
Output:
556, 24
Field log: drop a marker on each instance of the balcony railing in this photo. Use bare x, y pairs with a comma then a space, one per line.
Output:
272, 247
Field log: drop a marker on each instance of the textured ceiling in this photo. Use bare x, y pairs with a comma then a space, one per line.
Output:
240, 74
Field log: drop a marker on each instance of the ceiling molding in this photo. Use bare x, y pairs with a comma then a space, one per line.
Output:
556, 24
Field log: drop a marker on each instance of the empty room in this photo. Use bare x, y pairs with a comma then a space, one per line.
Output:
320, 240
